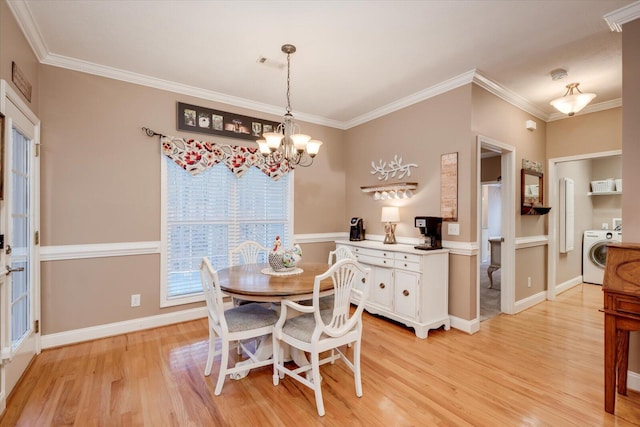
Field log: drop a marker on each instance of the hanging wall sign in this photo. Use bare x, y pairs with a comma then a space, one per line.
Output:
449, 187
192, 118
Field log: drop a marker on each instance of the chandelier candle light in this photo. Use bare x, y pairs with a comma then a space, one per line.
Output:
287, 143
390, 216
571, 103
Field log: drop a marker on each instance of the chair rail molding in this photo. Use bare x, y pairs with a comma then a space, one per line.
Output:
98, 250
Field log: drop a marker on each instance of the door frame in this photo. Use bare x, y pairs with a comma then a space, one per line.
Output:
553, 191
7, 94
508, 252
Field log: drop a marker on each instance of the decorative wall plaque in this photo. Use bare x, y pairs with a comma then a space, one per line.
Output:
20, 81
449, 187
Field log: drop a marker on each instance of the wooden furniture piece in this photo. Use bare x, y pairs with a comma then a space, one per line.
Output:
235, 324
495, 257
408, 285
248, 283
317, 331
621, 289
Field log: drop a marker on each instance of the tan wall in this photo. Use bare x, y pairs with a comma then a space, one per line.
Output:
605, 208
101, 184
501, 121
631, 149
490, 169
587, 133
419, 134
15, 48
569, 265
531, 262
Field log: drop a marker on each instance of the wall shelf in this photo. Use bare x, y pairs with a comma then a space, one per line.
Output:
398, 186
534, 210
603, 193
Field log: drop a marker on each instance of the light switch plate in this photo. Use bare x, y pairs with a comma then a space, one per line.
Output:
454, 229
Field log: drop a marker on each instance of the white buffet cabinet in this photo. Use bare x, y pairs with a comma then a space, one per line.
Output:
408, 285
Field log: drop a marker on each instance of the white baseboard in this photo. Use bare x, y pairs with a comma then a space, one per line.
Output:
565, 286
117, 328
468, 326
633, 380
529, 302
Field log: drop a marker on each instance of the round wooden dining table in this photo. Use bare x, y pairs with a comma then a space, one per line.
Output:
249, 282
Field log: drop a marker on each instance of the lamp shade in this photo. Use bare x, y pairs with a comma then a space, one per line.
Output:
390, 214
571, 103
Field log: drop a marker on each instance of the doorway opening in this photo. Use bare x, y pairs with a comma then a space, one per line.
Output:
495, 228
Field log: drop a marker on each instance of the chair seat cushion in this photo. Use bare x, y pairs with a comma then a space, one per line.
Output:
249, 316
301, 327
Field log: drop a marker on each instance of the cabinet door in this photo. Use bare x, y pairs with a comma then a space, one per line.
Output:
382, 287
406, 293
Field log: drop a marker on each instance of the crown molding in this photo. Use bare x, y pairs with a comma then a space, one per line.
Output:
625, 14
601, 106
509, 96
27, 24
430, 92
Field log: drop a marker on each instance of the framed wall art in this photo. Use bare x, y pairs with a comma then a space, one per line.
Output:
192, 118
449, 187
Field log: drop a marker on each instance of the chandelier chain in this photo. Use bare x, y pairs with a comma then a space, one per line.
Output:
288, 83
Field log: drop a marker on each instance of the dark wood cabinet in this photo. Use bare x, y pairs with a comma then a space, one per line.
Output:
621, 289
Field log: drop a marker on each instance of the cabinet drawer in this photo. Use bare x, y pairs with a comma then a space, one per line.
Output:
372, 260
399, 256
372, 252
407, 265
626, 304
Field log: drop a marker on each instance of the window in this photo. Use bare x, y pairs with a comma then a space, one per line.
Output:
210, 213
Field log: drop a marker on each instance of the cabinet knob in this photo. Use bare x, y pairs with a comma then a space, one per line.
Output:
405, 293
382, 286
405, 257
384, 254
384, 262
405, 264
363, 280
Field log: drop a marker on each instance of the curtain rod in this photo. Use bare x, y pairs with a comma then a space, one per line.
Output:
152, 133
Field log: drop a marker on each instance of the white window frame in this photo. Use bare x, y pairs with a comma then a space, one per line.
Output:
165, 301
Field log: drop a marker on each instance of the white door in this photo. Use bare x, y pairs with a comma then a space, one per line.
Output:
20, 272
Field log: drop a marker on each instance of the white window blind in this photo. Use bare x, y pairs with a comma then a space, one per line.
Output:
210, 213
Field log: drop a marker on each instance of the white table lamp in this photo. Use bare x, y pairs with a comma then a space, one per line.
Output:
390, 216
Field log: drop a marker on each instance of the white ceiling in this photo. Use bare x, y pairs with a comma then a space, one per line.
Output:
356, 59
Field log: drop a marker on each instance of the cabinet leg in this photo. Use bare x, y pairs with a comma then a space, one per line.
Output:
609, 363
623, 361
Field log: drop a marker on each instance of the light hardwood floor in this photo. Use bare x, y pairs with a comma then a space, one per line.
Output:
542, 367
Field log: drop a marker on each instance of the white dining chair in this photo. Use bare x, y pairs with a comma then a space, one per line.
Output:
341, 252
316, 331
249, 321
248, 251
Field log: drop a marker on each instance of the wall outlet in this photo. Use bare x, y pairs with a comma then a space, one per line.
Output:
135, 300
528, 282
454, 229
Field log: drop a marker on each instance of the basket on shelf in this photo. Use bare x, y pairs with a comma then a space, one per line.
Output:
603, 186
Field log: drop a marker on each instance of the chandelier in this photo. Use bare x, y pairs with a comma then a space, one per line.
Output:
286, 142
571, 103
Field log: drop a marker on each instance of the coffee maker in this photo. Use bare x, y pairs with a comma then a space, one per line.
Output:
357, 229
431, 229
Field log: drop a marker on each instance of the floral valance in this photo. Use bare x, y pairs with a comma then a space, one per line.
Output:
197, 156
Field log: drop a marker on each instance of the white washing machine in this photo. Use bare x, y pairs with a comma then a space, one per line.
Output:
594, 253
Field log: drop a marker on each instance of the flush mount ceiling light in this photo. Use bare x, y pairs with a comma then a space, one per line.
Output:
572, 102
286, 143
